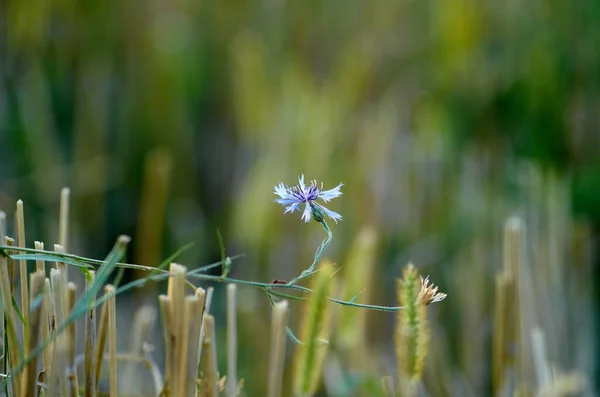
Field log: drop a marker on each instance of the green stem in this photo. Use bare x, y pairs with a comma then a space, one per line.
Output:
318, 255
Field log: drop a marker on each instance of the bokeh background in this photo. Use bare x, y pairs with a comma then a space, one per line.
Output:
172, 120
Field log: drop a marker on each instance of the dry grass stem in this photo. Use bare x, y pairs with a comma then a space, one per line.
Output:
231, 341
47, 320
30, 375
64, 271
102, 335
71, 334
207, 303
39, 264
164, 303
189, 341
176, 291
279, 318
63, 225
112, 339
12, 267
210, 380
89, 387
194, 345
60, 348
22, 266
15, 353
3, 350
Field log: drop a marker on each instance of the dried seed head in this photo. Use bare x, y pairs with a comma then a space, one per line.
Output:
429, 293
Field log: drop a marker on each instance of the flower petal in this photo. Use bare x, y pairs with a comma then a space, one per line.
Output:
331, 193
301, 181
307, 213
287, 201
283, 191
333, 215
292, 208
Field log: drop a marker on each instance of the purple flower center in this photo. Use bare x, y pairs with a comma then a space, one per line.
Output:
311, 193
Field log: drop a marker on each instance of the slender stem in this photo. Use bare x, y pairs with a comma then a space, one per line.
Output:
5, 248
318, 255
164, 274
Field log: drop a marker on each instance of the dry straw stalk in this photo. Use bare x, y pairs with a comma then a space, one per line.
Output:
231, 341
37, 290
102, 335
164, 303
112, 339
210, 380
71, 342
277, 354
14, 351
22, 265
89, 386
176, 293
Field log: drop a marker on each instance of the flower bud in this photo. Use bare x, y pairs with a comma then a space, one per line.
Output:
317, 213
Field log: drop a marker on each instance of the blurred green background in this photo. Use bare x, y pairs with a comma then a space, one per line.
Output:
170, 120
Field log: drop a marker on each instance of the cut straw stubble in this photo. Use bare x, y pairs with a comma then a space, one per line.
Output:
190, 337
73, 383
164, 303
102, 334
63, 225
12, 267
14, 352
210, 380
207, 303
63, 268
277, 355
181, 382
47, 323
112, 339
58, 370
30, 374
22, 266
39, 264
231, 341
89, 388
2, 335
176, 293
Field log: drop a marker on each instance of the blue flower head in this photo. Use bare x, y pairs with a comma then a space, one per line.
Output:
292, 197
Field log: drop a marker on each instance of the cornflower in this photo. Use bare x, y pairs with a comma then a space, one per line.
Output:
292, 197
